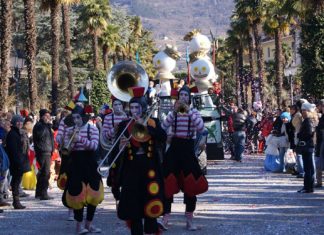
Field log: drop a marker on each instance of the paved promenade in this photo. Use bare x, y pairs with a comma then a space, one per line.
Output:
242, 199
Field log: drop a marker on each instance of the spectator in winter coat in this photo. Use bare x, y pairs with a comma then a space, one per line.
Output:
239, 121
319, 151
44, 146
3, 165
287, 137
252, 132
296, 121
17, 148
306, 145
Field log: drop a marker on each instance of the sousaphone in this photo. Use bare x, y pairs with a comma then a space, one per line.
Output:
124, 75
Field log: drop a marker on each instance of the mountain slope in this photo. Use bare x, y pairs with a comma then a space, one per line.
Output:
170, 20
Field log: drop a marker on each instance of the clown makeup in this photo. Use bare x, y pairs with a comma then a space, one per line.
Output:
184, 97
135, 110
77, 119
118, 106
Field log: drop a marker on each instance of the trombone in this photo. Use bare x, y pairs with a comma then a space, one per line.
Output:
149, 113
106, 173
123, 75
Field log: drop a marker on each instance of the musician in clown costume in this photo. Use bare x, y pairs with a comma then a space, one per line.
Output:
140, 178
84, 186
180, 166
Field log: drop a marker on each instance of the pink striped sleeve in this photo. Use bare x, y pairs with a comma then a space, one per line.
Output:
60, 132
91, 144
168, 121
108, 129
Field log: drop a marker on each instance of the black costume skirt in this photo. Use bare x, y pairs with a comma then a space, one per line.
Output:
84, 185
62, 178
182, 171
142, 188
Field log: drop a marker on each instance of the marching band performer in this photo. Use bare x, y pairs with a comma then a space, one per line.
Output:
84, 186
110, 126
112, 120
64, 123
140, 177
180, 166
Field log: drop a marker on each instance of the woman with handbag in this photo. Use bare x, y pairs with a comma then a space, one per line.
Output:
305, 146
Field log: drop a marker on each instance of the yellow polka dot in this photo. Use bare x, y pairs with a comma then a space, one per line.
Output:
153, 188
151, 174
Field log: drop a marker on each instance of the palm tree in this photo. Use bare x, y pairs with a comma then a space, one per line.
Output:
94, 16
255, 14
108, 40
279, 18
54, 6
239, 28
308, 7
30, 35
67, 39
6, 36
136, 32
242, 18
235, 41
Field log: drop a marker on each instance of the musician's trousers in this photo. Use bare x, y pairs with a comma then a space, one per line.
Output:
189, 201
150, 226
78, 214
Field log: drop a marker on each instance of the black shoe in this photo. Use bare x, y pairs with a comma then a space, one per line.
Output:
318, 185
23, 194
46, 197
300, 190
305, 190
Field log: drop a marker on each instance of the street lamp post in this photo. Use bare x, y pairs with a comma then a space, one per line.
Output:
289, 72
18, 65
88, 86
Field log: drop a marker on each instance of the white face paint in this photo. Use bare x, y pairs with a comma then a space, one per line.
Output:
136, 110
184, 97
118, 107
77, 119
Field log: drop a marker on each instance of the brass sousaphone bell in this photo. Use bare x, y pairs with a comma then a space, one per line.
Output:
124, 75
